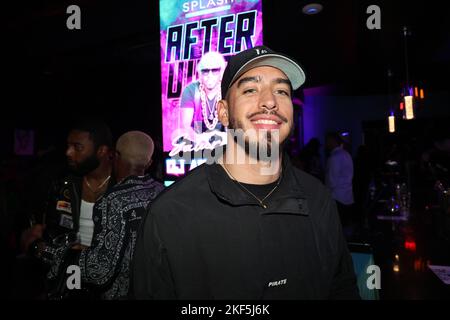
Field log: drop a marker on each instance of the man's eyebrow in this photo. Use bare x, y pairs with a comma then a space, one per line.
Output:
74, 143
282, 80
247, 79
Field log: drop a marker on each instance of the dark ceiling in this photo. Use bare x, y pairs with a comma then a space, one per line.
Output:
335, 45
117, 49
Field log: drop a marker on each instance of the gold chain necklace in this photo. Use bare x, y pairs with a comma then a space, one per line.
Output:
215, 119
261, 201
99, 187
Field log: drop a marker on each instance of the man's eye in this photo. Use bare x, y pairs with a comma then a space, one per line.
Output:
250, 90
283, 92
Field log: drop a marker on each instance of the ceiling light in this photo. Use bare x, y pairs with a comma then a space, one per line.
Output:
312, 8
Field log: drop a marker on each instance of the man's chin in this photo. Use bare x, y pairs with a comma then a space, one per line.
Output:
79, 171
76, 171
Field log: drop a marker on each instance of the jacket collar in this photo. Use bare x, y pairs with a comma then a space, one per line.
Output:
288, 198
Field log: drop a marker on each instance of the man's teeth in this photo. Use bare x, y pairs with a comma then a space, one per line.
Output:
263, 121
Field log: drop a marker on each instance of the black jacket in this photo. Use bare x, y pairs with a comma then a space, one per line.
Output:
62, 220
205, 238
62, 214
63, 207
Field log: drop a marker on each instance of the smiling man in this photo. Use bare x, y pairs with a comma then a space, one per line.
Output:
233, 230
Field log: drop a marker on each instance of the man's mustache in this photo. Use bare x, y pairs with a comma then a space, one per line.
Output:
268, 112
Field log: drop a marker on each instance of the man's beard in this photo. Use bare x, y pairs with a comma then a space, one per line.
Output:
86, 166
255, 145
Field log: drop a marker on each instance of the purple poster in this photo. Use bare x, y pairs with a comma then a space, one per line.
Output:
197, 39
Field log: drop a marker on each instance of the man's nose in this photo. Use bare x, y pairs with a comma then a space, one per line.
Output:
69, 151
267, 100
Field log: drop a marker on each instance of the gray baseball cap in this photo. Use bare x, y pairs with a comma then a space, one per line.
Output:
258, 57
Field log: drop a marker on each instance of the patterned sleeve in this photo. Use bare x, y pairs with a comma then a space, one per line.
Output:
100, 263
54, 256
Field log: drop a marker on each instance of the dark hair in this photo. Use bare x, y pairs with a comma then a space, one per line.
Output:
335, 136
99, 132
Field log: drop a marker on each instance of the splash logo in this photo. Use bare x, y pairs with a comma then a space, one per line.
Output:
206, 7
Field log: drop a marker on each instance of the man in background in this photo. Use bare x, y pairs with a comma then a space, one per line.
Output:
339, 176
67, 216
105, 265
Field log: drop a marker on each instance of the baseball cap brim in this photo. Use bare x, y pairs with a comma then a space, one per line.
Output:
289, 67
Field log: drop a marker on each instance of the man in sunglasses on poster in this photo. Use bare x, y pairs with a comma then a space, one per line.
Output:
199, 98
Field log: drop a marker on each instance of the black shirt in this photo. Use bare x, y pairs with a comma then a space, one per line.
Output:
260, 190
204, 238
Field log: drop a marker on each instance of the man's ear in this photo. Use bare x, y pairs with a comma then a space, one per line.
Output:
222, 111
103, 151
148, 164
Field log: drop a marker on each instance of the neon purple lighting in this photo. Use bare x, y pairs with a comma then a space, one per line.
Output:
410, 90
189, 30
